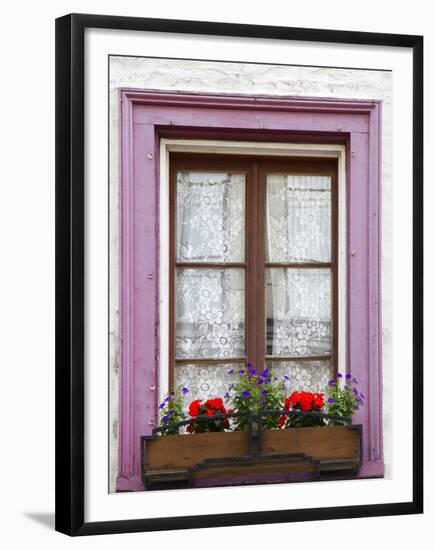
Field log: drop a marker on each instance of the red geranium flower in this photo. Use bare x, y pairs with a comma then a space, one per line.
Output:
210, 408
305, 400
193, 409
305, 403
318, 400
217, 403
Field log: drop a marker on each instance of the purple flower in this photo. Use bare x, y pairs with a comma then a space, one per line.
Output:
264, 404
339, 375
249, 365
161, 406
185, 389
241, 371
171, 412
357, 408
260, 380
168, 398
165, 419
331, 383
286, 377
330, 400
348, 376
231, 371
265, 372
264, 392
362, 396
253, 372
355, 391
245, 393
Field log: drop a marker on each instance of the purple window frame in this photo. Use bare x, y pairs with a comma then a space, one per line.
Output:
148, 116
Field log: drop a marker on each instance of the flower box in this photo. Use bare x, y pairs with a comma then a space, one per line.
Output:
262, 456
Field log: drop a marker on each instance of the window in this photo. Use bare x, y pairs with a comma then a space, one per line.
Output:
253, 269
275, 278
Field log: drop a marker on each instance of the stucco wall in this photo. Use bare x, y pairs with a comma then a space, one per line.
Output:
210, 76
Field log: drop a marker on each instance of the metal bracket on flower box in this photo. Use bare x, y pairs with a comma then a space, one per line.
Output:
253, 456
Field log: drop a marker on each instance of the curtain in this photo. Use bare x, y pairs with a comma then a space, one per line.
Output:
210, 308
298, 300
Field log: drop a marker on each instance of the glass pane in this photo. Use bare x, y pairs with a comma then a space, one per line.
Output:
209, 313
210, 217
204, 381
303, 375
298, 311
298, 218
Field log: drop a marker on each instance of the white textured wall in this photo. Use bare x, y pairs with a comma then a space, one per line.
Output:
210, 76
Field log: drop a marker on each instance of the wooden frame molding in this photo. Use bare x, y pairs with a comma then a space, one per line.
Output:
149, 116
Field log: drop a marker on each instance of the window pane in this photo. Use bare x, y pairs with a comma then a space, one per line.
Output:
210, 217
298, 311
209, 313
303, 375
298, 218
204, 381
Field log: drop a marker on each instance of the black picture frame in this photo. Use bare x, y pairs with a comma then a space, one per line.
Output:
70, 266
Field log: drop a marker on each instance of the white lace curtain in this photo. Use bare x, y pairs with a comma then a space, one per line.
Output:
299, 231
210, 222
210, 301
210, 217
298, 300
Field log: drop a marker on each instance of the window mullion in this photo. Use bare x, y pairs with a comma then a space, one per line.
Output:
260, 266
249, 256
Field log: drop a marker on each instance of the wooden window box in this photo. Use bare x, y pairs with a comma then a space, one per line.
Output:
245, 457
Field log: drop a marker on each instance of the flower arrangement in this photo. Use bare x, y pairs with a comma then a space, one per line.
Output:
208, 408
343, 400
307, 402
253, 391
172, 409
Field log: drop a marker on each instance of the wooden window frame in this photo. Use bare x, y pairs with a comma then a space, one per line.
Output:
254, 265
149, 117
